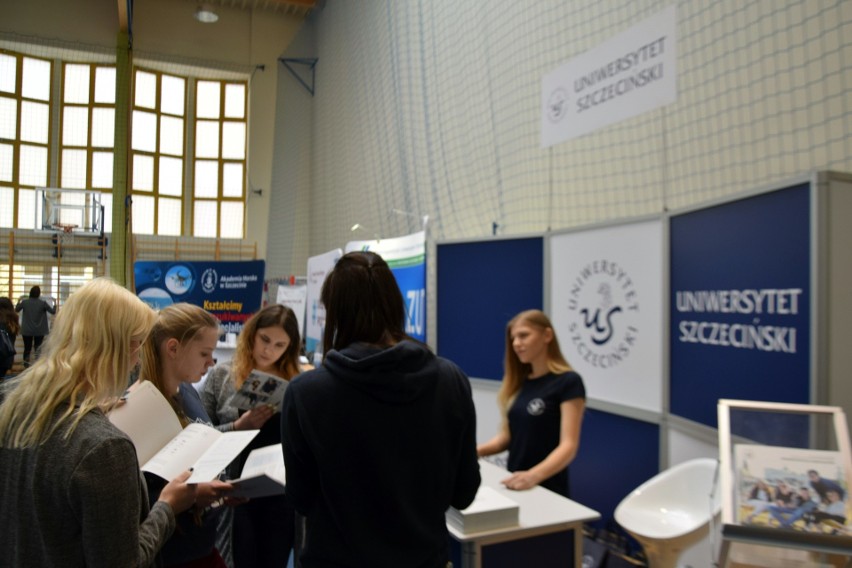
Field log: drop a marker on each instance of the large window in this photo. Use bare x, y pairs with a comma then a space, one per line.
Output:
220, 160
158, 152
215, 142
187, 159
25, 105
88, 132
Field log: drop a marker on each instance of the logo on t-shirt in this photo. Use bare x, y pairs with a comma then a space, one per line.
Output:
535, 407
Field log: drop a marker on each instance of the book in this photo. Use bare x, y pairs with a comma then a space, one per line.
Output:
263, 474
164, 448
259, 388
490, 510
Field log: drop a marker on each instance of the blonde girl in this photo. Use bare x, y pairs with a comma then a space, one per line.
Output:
542, 401
68, 477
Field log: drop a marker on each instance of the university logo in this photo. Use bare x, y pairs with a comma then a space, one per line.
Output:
535, 407
557, 105
603, 309
209, 279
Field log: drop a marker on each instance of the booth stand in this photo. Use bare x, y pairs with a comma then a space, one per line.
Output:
785, 477
549, 532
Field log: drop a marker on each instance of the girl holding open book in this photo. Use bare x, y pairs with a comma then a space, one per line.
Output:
177, 353
70, 480
263, 529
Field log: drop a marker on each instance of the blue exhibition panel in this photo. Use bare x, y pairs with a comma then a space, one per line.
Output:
480, 287
617, 454
740, 306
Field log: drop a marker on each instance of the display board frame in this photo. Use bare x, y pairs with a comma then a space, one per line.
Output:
821, 441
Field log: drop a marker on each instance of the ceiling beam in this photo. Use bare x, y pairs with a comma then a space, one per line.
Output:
123, 15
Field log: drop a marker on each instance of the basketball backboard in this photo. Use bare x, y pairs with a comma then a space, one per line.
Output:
76, 211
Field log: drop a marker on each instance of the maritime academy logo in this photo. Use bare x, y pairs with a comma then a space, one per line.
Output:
209, 279
603, 309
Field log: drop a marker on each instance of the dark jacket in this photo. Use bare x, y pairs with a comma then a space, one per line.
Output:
378, 443
34, 316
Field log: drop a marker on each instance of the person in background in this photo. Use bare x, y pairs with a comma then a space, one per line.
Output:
822, 485
542, 402
68, 477
34, 326
759, 499
9, 324
263, 529
802, 505
834, 509
380, 439
177, 353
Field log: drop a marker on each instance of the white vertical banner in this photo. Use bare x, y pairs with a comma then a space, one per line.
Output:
318, 267
295, 298
630, 74
607, 309
406, 257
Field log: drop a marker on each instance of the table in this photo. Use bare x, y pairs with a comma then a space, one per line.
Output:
546, 518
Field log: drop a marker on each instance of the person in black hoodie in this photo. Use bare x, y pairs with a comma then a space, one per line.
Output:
381, 438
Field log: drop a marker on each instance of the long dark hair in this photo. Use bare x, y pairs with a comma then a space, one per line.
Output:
362, 303
8, 316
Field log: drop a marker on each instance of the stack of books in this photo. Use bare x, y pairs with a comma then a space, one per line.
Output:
490, 510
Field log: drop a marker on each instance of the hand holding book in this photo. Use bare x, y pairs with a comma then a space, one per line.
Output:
254, 418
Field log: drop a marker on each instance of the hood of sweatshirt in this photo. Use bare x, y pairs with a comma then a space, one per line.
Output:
395, 375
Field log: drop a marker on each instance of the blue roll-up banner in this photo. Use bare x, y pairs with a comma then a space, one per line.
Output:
406, 257
740, 304
231, 291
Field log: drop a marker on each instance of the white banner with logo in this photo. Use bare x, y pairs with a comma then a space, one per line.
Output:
294, 297
318, 267
406, 257
606, 304
631, 74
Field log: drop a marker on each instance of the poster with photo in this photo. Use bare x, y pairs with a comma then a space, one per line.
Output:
792, 489
259, 388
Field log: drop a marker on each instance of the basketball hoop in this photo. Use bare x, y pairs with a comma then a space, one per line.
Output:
65, 231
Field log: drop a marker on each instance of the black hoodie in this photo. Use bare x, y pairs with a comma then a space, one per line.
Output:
377, 444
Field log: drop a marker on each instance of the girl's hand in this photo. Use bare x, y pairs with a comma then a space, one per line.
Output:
207, 494
178, 494
254, 418
521, 480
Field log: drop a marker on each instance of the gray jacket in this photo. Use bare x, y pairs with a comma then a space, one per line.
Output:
34, 316
79, 501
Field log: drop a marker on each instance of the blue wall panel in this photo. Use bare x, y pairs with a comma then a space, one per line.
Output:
750, 259
617, 454
480, 287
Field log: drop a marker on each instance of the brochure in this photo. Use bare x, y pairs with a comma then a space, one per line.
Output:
263, 474
490, 510
259, 388
164, 448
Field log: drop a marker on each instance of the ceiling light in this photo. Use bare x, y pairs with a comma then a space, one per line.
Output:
205, 15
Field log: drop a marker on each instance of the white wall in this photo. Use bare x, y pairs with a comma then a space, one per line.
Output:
433, 108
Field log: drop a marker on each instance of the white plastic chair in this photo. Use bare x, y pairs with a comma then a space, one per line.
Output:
672, 511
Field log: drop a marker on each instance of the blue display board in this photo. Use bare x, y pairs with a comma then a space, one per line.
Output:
616, 455
231, 291
740, 304
481, 286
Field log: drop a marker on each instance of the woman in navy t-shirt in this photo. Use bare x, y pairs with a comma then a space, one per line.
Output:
542, 402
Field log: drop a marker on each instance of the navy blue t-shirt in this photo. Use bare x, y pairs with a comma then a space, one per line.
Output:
534, 423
